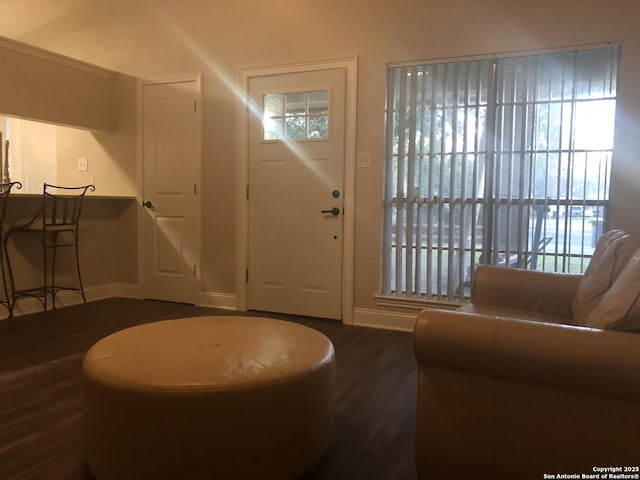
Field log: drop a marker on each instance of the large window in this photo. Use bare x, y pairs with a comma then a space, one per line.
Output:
503, 161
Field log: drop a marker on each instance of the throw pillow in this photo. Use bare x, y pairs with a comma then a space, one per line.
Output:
600, 274
619, 308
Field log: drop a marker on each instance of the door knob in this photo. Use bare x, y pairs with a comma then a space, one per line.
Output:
147, 204
335, 211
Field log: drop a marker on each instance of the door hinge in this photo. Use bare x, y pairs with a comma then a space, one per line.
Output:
195, 106
195, 270
247, 192
195, 189
247, 275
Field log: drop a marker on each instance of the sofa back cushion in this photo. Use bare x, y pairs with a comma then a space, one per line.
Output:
612, 252
619, 308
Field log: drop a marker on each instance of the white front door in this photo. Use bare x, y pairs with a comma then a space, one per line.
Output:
296, 193
171, 166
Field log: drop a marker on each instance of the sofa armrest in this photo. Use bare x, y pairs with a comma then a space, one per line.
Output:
543, 292
562, 356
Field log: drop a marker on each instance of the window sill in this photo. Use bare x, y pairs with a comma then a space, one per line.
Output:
414, 303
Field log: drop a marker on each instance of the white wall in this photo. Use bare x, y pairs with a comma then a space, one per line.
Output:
55, 89
111, 155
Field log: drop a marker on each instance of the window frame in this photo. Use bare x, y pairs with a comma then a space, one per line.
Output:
386, 295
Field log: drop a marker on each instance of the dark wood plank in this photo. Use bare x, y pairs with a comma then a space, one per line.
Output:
41, 392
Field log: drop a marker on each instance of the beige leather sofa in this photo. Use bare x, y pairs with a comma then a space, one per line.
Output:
538, 375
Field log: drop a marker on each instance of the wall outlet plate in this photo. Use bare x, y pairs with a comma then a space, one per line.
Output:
364, 159
83, 164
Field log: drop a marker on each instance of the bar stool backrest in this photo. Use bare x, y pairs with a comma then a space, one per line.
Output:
61, 206
5, 190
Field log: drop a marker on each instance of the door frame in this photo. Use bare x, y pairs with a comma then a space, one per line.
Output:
350, 66
197, 79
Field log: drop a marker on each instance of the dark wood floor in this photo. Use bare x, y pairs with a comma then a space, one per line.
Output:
40, 391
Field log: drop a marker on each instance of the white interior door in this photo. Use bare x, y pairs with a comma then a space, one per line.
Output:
171, 166
296, 193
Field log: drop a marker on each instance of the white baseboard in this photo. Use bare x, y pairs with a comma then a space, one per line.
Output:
224, 301
110, 290
403, 322
361, 316
26, 305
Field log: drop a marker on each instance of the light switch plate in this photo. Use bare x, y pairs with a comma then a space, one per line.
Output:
83, 165
364, 159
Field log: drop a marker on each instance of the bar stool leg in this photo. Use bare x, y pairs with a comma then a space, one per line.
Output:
44, 270
77, 248
8, 294
4, 279
9, 270
10, 291
53, 289
54, 250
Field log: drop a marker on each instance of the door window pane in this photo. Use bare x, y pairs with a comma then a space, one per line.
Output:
295, 128
273, 123
318, 127
295, 104
319, 102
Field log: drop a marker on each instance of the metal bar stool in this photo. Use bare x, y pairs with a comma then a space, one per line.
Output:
56, 226
5, 190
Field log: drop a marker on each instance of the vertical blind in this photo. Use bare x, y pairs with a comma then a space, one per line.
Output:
32, 152
503, 161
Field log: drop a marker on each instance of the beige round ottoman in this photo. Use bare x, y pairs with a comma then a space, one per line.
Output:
208, 398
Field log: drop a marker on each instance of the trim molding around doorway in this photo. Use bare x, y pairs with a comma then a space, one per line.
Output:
350, 65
